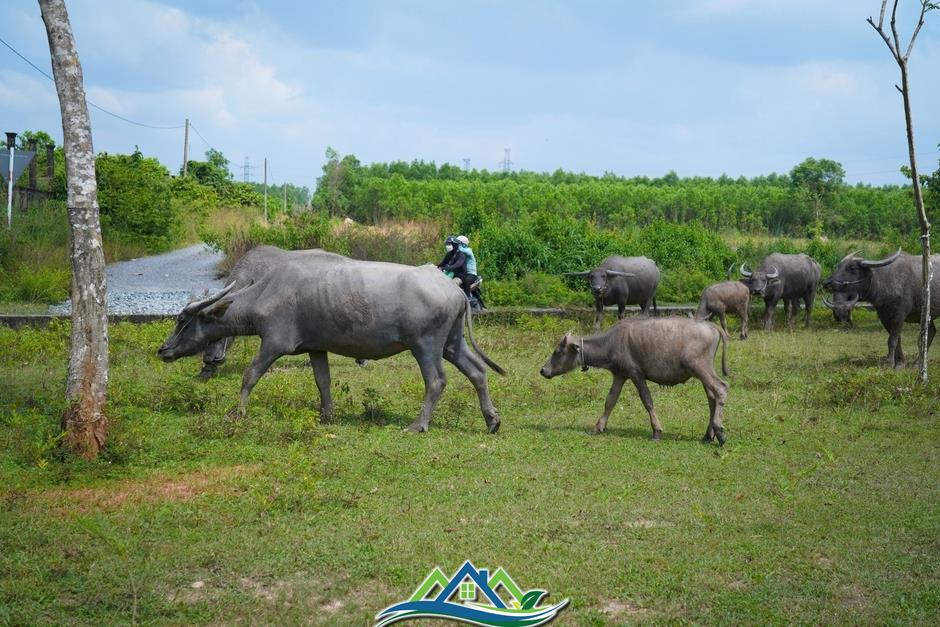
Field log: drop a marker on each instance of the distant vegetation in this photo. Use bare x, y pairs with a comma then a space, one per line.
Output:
527, 228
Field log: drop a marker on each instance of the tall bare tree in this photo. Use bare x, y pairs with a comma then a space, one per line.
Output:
84, 421
901, 56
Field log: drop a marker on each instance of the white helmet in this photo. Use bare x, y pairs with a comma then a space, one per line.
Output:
463, 240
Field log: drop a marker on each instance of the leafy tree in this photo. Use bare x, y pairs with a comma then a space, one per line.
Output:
213, 172
42, 138
817, 180
135, 199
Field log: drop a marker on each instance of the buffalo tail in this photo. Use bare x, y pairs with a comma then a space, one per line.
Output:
489, 362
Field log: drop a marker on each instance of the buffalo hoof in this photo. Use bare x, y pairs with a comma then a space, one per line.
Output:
492, 425
657, 435
708, 438
416, 427
236, 413
597, 430
205, 374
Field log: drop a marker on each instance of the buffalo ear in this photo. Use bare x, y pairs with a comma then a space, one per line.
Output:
218, 309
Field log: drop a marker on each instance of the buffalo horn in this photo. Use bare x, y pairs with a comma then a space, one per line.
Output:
745, 272
774, 274
619, 273
828, 303
198, 305
853, 299
882, 262
585, 273
850, 256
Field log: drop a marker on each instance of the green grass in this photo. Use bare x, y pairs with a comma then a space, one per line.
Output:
823, 507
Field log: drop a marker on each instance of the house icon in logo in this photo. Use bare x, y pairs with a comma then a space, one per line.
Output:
472, 596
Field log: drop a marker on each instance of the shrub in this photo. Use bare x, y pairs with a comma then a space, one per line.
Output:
134, 194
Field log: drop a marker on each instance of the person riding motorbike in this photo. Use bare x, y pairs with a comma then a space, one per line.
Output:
460, 263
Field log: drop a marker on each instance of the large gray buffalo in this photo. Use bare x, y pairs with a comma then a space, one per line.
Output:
667, 351
316, 302
622, 281
789, 278
722, 298
893, 287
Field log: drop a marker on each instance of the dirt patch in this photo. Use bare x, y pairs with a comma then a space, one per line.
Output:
619, 609
853, 597
157, 488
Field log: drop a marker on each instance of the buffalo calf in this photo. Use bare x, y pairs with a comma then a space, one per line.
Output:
667, 351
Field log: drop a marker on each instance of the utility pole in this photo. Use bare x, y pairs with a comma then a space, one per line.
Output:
186, 148
466, 164
507, 163
265, 191
11, 143
284, 187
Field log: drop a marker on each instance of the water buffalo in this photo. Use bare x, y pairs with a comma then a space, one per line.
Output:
725, 297
667, 351
622, 281
784, 277
841, 305
253, 265
893, 287
319, 303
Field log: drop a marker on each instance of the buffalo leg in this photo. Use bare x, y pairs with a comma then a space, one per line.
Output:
769, 306
432, 370
321, 373
744, 316
645, 396
808, 302
717, 391
258, 366
612, 398
792, 308
895, 353
724, 322
621, 308
474, 369
214, 356
598, 314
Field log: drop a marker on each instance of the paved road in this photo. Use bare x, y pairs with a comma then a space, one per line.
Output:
161, 284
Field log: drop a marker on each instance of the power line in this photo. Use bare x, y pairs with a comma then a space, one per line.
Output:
195, 130
99, 108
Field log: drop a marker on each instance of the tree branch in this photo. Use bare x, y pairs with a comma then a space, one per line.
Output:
894, 31
924, 6
880, 30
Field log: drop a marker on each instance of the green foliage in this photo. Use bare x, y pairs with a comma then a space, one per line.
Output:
535, 289
134, 194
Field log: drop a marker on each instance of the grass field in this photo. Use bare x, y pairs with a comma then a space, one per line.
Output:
823, 507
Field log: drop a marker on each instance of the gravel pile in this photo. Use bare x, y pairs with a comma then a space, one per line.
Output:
161, 284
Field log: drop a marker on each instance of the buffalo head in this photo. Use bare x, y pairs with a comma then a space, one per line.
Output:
599, 279
566, 356
841, 306
853, 274
759, 281
197, 325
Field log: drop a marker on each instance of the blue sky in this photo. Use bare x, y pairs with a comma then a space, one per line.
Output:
704, 87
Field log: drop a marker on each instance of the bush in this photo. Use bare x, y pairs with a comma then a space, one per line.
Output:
134, 194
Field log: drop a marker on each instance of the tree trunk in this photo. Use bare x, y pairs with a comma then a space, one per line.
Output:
924, 224
84, 421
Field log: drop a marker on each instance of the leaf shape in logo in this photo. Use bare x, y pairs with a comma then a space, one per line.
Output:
531, 598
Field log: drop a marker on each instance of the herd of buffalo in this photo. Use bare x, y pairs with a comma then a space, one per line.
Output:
317, 302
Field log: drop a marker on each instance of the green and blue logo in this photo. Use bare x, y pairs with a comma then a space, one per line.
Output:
471, 596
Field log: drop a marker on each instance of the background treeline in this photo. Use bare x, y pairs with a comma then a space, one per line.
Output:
527, 228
